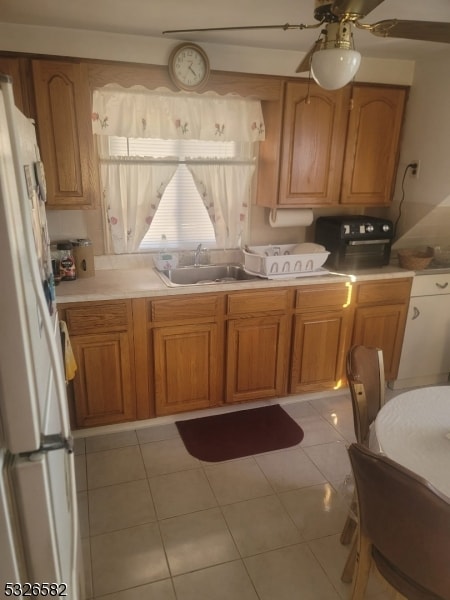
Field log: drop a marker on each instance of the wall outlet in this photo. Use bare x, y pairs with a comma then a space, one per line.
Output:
414, 168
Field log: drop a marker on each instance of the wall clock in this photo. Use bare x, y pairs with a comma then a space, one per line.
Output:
189, 67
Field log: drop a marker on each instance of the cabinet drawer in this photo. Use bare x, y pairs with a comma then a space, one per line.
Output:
393, 291
176, 309
255, 302
431, 285
321, 297
98, 318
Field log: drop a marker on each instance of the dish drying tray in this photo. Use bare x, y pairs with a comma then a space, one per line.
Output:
261, 261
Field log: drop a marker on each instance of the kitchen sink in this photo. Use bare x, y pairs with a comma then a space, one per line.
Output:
205, 274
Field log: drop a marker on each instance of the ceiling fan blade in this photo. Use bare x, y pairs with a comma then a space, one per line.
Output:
286, 26
305, 65
428, 31
361, 8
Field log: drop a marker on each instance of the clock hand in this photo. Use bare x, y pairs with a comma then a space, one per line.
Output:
192, 70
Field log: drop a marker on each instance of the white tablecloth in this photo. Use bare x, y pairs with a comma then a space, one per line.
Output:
414, 430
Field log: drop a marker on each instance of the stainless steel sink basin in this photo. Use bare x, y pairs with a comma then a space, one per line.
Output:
205, 274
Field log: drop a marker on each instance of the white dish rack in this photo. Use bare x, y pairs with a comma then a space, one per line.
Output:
276, 262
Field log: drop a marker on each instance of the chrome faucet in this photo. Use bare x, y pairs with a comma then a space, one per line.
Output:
197, 253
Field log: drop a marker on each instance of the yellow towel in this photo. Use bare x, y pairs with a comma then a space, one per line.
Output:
70, 364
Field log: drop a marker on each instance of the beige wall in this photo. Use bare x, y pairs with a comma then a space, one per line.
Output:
425, 217
425, 214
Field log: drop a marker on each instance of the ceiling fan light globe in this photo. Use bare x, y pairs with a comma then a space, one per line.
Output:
333, 68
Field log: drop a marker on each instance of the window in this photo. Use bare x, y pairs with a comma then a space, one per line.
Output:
181, 215
135, 178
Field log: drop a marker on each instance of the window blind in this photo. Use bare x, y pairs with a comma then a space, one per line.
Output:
181, 215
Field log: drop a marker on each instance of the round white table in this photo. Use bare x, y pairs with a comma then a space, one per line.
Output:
414, 430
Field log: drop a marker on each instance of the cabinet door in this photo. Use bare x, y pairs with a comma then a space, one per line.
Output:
13, 68
383, 327
319, 347
104, 384
313, 144
256, 357
63, 105
372, 146
186, 367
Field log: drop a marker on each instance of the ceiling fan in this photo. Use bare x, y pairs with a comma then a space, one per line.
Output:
332, 60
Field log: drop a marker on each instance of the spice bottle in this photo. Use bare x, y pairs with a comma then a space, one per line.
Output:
56, 263
67, 261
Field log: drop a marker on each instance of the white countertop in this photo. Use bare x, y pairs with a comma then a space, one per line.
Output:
143, 281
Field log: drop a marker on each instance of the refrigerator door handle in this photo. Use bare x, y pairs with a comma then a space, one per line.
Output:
56, 442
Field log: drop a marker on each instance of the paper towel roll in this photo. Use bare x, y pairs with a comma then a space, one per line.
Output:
291, 217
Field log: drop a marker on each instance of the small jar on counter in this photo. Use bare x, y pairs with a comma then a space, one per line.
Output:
66, 261
83, 253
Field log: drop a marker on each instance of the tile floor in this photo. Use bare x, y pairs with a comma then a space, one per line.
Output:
158, 524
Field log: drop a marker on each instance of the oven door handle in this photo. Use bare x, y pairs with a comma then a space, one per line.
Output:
365, 242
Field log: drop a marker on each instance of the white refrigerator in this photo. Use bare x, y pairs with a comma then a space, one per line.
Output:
39, 538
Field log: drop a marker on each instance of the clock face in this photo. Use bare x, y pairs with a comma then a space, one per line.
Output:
189, 67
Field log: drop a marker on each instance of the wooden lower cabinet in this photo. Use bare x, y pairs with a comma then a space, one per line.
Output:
321, 331
104, 385
380, 319
256, 358
257, 344
101, 336
149, 357
185, 352
317, 357
186, 367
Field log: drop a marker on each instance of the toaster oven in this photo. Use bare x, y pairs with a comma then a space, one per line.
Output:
355, 241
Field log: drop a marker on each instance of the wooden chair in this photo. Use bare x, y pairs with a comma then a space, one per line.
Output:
404, 528
365, 375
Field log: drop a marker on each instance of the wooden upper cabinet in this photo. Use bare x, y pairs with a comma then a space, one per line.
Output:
14, 68
371, 150
63, 106
333, 147
313, 137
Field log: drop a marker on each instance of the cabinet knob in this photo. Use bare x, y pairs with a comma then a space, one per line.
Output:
416, 313
442, 286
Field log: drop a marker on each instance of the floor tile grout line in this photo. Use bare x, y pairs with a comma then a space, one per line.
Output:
323, 569
202, 466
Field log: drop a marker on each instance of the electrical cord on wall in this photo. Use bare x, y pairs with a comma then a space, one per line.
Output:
412, 166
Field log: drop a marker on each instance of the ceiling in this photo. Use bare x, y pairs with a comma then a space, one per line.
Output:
151, 17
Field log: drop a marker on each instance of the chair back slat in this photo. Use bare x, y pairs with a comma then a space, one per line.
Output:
365, 374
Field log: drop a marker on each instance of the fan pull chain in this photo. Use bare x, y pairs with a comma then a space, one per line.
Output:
351, 102
308, 97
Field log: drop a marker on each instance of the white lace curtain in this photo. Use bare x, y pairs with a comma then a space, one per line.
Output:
225, 190
138, 112
132, 191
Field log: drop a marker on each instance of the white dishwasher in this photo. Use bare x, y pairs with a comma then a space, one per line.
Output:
425, 357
